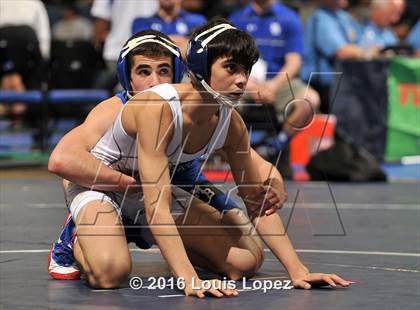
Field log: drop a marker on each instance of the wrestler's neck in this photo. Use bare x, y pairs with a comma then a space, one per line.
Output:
198, 104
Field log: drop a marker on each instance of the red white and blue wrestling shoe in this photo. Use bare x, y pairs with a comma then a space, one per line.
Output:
61, 262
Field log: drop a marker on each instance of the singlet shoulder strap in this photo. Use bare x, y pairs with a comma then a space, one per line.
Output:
168, 93
219, 137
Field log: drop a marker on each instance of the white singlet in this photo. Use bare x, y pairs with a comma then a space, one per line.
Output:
119, 150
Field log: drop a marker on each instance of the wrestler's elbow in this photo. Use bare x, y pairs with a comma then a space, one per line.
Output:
55, 163
58, 162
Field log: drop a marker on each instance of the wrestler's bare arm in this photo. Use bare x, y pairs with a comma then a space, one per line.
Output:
152, 124
269, 227
72, 160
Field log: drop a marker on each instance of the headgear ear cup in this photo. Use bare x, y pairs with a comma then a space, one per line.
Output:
178, 68
123, 71
197, 62
122, 74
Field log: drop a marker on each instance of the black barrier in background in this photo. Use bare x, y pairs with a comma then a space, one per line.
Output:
361, 105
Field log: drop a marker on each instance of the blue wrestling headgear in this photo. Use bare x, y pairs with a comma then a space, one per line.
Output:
197, 53
123, 70
197, 60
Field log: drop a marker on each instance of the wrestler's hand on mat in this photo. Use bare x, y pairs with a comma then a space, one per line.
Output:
269, 197
313, 280
216, 289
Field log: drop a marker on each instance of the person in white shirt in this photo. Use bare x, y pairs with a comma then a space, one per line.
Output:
30, 17
31, 13
72, 26
113, 23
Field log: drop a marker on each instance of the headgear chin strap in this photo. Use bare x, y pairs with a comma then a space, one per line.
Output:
123, 70
197, 62
221, 99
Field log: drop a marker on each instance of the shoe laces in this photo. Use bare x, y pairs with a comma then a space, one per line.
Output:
63, 254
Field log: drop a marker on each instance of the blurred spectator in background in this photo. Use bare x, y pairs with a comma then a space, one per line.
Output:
413, 38
359, 10
113, 23
171, 20
31, 13
331, 33
397, 8
277, 31
194, 5
306, 9
75, 63
72, 26
408, 19
376, 32
213, 8
25, 41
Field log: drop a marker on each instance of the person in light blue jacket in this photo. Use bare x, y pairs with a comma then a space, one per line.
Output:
331, 33
376, 33
413, 38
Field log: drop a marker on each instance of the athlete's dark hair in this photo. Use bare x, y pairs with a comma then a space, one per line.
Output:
233, 43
